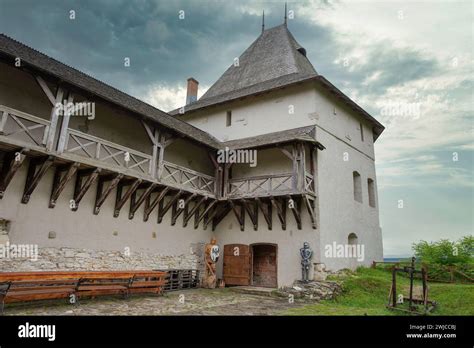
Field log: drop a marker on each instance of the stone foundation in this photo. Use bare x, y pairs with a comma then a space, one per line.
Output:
57, 259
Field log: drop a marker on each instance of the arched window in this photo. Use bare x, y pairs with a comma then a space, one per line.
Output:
357, 186
371, 188
352, 239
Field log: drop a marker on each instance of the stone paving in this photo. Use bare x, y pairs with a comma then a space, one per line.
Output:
186, 302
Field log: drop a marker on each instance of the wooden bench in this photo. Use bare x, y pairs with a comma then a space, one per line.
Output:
31, 286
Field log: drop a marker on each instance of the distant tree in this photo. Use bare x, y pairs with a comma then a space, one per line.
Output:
446, 252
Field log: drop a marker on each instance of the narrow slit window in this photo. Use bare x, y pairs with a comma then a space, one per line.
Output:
371, 188
228, 121
361, 132
357, 186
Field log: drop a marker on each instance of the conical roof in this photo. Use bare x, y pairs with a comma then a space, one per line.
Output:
273, 55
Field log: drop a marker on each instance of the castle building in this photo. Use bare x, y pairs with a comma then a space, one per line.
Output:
271, 156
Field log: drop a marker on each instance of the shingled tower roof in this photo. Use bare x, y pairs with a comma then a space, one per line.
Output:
275, 54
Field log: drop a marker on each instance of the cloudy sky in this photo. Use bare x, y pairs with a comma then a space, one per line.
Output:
409, 64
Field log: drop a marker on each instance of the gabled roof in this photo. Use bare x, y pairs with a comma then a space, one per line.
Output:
274, 54
274, 61
47, 65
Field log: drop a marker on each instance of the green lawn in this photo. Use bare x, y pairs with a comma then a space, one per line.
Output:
366, 293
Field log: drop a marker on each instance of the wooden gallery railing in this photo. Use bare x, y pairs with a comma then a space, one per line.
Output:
309, 183
185, 178
22, 127
264, 185
88, 146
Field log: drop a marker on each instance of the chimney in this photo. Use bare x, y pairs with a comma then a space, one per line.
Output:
192, 92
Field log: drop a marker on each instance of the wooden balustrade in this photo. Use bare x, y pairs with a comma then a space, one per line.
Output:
24, 128
265, 185
309, 183
182, 177
107, 152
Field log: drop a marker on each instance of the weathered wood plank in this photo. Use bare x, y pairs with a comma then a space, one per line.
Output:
34, 176
121, 200
103, 194
136, 203
60, 181
80, 188
11, 164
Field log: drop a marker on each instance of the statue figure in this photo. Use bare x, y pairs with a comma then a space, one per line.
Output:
306, 255
211, 254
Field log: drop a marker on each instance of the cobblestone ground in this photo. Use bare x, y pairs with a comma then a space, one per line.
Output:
196, 302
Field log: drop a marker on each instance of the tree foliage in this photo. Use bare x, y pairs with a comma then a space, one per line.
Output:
446, 252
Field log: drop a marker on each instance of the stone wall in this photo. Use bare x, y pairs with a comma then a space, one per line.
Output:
54, 259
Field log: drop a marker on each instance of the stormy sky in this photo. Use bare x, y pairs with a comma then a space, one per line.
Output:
409, 64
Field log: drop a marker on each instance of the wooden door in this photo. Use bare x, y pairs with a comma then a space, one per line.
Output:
237, 264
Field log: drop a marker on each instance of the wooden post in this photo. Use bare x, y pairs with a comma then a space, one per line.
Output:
64, 125
54, 120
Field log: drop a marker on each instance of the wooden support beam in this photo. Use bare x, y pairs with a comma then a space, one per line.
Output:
218, 171
220, 215
81, 188
239, 214
252, 210
64, 125
205, 213
153, 135
136, 203
296, 210
62, 175
103, 194
266, 209
225, 179
54, 118
34, 176
12, 161
163, 210
312, 167
193, 211
121, 200
311, 210
287, 153
281, 211
294, 150
302, 168
151, 205
178, 210
46, 89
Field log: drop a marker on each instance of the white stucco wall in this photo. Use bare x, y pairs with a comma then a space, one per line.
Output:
338, 129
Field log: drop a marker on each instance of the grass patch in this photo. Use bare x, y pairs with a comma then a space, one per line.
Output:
366, 293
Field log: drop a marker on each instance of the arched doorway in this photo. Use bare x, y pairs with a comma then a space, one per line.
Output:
264, 265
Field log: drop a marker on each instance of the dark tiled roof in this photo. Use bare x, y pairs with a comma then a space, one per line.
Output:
274, 54
74, 77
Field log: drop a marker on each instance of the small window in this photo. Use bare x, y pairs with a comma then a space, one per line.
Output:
357, 186
371, 188
228, 121
361, 132
352, 239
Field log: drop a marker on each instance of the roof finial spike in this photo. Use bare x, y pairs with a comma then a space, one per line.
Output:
263, 21
285, 15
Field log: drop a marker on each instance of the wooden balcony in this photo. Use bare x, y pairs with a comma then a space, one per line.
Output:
268, 185
20, 130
